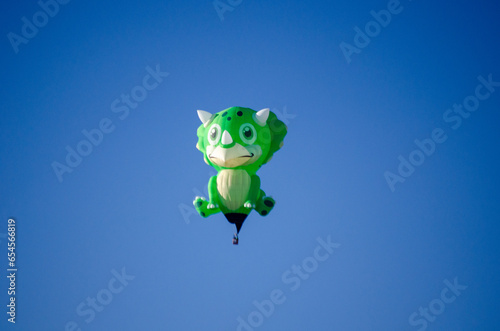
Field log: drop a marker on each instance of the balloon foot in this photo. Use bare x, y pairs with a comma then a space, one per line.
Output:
235, 239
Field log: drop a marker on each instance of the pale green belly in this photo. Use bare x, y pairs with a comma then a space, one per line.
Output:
233, 187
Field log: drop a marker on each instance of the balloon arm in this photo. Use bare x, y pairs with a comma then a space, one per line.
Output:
253, 193
212, 190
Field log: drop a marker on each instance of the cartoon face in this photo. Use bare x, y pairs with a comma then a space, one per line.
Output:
238, 137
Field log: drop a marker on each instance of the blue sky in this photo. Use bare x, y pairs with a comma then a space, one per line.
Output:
358, 240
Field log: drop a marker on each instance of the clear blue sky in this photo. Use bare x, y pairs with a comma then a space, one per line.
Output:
110, 242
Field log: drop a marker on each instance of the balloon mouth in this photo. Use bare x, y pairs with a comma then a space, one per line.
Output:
232, 157
230, 163
251, 155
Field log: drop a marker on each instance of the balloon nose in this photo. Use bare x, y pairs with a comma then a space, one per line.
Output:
226, 138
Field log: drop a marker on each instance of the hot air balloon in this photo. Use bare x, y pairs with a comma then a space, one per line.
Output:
237, 141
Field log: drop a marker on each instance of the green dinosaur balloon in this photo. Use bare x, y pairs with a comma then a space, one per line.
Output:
237, 142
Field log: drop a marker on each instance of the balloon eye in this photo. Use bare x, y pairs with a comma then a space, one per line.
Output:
214, 134
248, 133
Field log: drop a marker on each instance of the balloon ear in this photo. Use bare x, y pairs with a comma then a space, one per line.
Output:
261, 116
204, 116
